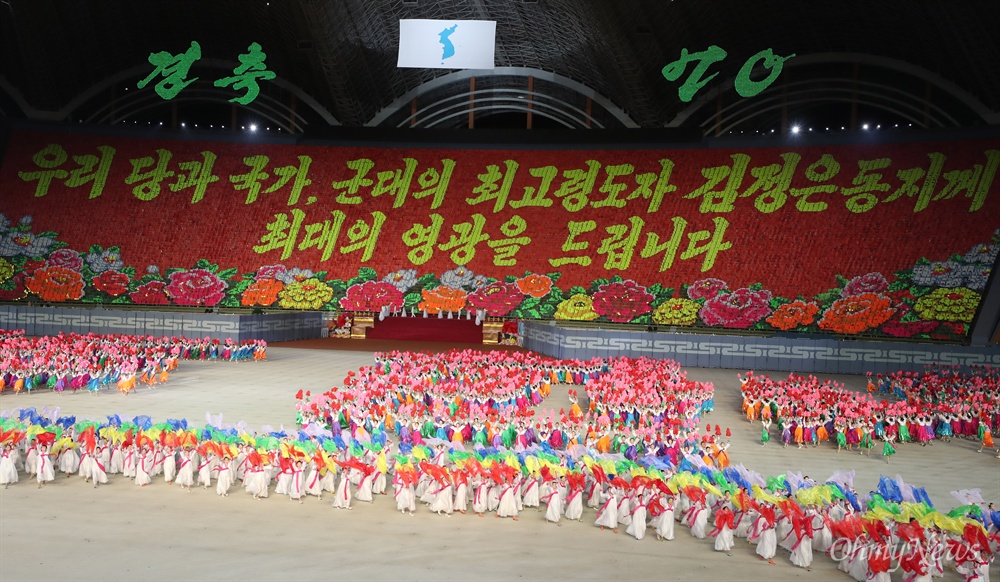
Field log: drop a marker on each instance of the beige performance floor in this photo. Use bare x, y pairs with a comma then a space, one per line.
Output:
70, 531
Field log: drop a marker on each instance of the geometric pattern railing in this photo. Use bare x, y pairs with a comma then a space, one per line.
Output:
828, 356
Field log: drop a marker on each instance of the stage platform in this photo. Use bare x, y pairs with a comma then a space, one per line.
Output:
426, 329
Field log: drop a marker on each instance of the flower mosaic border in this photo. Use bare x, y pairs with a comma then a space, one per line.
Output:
930, 300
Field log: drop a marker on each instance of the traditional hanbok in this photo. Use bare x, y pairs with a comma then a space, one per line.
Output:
767, 539
44, 471
284, 481
364, 492
508, 502
441, 498
530, 496
554, 504
8, 470
406, 499
142, 467
318, 481
205, 472
802, 552
169, 466
117, 461
97, 471
129, 462
574, 504
257, 482
342, 497
479, 497
85, 466
31, 461
607, 515
185, 472
665, 525
461, 502
723, 531
225, 479
698, 521
625, 510
69, 461
637, 522
296, 486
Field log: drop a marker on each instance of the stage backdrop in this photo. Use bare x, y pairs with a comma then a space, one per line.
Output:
891, 240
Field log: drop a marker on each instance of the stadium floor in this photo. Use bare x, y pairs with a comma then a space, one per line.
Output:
70, 531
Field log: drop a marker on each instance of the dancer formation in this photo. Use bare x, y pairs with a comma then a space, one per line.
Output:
925, 407
457, 433
92, 362
636, 407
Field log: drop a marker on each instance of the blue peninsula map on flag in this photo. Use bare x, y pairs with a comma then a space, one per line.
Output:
447, 44
447, 47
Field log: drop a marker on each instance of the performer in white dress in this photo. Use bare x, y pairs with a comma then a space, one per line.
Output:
554, 502
461, 483
508, 503
665, 527
85, 466
342, 497
441, 498
364, 491
8, 467
296, 486
574, 501
402, 491
481, 491
762, 531
69, 461
44, 471
185, 472
205, 468
698, 520
637, 523
529, 493
144, 463
98, 472
117, 460
129, 460
169, 465
723, 532
607, 515
226, 477
257, 480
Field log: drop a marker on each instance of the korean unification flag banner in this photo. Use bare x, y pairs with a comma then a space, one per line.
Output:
447, 44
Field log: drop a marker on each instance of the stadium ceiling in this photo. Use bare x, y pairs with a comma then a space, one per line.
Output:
570, 63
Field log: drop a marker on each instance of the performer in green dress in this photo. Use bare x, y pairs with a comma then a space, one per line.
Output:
887, 449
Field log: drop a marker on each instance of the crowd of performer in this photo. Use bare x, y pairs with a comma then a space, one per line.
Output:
92, 362
923, 408
894, 526
635, 406
457, 433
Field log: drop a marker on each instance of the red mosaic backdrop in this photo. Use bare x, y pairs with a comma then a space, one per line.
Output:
709, 237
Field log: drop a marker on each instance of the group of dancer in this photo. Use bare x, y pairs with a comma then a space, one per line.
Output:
634, 407
456, 433
963, 405
92, 362
894, 526
807, 412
